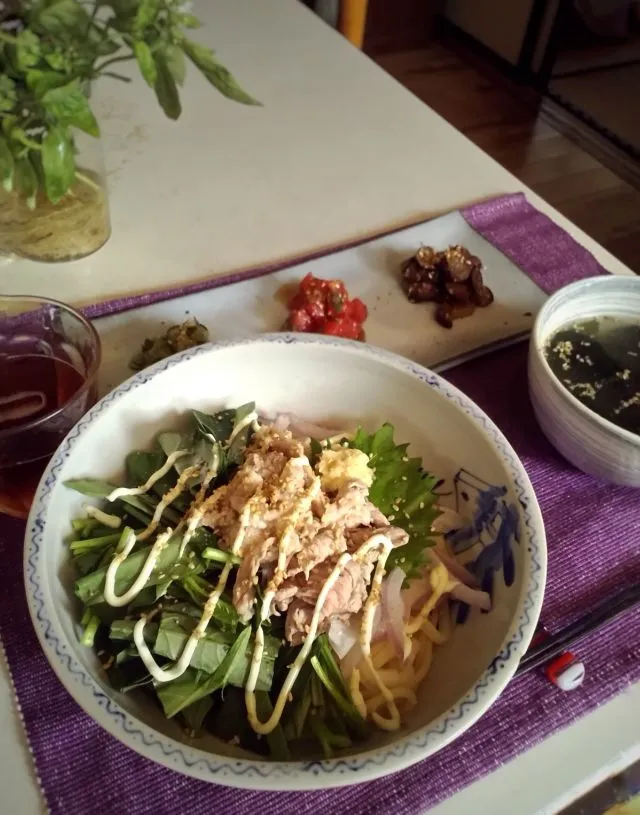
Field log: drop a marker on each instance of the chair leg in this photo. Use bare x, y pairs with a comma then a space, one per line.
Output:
353, 19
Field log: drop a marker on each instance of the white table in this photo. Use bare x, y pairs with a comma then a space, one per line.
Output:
338, 151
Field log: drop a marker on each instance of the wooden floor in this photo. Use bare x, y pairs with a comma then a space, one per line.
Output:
507, 124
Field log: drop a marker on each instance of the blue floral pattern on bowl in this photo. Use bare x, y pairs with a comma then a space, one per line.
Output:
490, 533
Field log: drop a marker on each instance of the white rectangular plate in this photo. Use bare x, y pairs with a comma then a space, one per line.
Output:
371, 272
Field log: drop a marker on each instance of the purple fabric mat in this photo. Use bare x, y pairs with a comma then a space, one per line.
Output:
593, 552
509, 222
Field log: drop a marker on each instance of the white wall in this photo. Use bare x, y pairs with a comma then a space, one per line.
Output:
498, 24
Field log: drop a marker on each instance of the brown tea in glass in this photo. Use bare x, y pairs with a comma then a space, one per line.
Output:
49, 359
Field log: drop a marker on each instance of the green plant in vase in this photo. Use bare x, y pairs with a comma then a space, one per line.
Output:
53, 202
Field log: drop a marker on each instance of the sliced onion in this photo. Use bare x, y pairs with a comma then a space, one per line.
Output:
312, 430
447, 521
393, 607
472, 597
282, 421
416, 594
351, 660
379, 624
454, 568
342, 636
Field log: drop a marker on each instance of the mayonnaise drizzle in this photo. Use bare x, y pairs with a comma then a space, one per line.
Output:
250, 700
105, 518
197, 510
366, 632
140, 582
249, 419
179, 667
167, 499
120, 492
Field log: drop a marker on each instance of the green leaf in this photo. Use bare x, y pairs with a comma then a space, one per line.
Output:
58, 163
90, 587
64, 19
81, 547
167, 90
70, 106
6, 165
58, 60
8, 93
140, 465
146, 62
90, 623
236, 449
123, 630
39, 82
26, 180
277, 741
203, 58
327, 670
403, 491
174, 57
218, 425
191, 686
146, 14
27, 49
195, 714
173, 634
188, 21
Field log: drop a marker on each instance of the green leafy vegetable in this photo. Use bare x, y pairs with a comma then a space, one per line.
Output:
64, 18
140, 506
324, 664
84, 545
278, 747
146, 62
53, 54
403, 491
27, 49
194, 685
90, 622
194, 715
70, 107
123, 630
174, 58
166, 89
90, 587
203, 58
58, 163
6, 166
26, 180
146, 14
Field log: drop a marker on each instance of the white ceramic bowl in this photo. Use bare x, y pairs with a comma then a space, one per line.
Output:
326, 380
593, 444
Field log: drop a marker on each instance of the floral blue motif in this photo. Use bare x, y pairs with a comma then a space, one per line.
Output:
490, 533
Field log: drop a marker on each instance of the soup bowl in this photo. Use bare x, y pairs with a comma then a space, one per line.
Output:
591, 443
337, 383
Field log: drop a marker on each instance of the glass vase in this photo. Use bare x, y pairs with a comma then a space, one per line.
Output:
73, 228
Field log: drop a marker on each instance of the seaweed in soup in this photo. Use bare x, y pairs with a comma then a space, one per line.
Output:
598, 361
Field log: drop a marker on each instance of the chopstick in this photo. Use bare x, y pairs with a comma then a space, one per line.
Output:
589, 622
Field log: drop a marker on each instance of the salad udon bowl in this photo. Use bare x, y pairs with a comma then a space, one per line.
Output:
338, 384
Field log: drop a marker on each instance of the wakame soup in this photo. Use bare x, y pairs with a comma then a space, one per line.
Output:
598, 361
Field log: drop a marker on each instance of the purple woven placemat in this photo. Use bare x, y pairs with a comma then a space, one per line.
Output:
594, 551
552, 257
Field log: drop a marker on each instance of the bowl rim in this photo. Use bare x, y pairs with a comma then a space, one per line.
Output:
538, 342
301, 775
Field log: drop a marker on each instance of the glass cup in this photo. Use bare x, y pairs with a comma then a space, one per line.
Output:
49, 360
